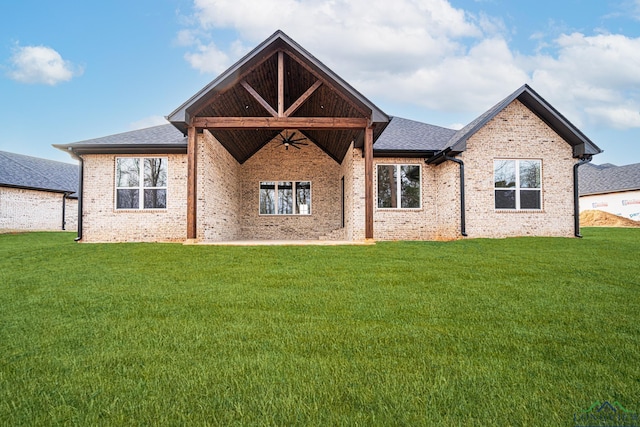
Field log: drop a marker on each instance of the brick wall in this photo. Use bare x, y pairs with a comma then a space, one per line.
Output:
218, 188
34, 210
103, 223
274, 163
448, 201
407, 224
518, 133
352, 168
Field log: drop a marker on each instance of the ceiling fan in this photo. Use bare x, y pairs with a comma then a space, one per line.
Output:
290, 140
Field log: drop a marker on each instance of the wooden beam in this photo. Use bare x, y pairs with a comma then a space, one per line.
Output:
259, 98
318, 123
191, 182
280, 84
368, 183
302, 98
293, 56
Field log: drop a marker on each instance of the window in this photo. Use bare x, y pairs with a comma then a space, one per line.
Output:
285, 198
141, 187
517, 184
403, 193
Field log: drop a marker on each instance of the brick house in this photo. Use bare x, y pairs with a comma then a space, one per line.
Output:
279, 147
611, 188
37, 194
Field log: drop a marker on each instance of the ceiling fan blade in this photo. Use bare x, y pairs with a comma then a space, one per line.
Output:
299, 143
296, 140
295, 146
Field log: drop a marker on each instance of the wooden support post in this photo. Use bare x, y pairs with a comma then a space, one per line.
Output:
191, 182
280, 84
368, 183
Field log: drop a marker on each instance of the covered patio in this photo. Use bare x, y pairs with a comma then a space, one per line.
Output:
279, 100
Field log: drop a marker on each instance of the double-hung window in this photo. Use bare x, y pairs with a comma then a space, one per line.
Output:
141, 183
399, 186
517, 184
285, 198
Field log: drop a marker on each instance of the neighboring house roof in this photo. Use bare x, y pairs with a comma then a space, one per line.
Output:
580, 143
34, 173
156, 139
405, 137
608, 178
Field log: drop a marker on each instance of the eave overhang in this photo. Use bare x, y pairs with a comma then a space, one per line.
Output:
403, 153
80, 149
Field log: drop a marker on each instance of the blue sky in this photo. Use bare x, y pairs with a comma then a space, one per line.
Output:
72, 70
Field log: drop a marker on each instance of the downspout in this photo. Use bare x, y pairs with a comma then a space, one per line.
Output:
576, 194
443, 155
463, 227
64, 208
80, 192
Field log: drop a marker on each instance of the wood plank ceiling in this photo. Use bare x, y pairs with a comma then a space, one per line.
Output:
303, 92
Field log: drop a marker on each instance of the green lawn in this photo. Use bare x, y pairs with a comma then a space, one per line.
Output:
525, 331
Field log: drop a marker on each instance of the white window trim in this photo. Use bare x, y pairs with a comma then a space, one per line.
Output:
517, 187
398, 187
275, 201
140, 187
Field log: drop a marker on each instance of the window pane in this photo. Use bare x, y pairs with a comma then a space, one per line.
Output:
529, 174
504, 173
285, 198
505, 199
410, 186
530, 199
387, 186
127, 172
127, 199
303, 198
155, 172
155, 199
267, 198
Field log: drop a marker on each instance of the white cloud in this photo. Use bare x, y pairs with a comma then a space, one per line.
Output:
148, 122
429, 54
41, 64
208, 58
591, 78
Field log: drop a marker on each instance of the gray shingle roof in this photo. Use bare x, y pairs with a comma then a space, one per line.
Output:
156, 135
608, 178
17, 170
409, 135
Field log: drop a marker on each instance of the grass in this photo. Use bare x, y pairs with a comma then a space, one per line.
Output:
525, 331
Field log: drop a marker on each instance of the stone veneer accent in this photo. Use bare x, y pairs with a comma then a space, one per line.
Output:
33, 210
103, 223
517, 133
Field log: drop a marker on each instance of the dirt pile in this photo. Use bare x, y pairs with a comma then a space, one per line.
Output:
594, 218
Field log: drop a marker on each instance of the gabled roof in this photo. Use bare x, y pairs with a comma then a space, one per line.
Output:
277, 41
34, 173
608, 178
156, 139
534, 102
280, 80
408, 137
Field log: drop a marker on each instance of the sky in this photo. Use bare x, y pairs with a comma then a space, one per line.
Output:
72, 70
